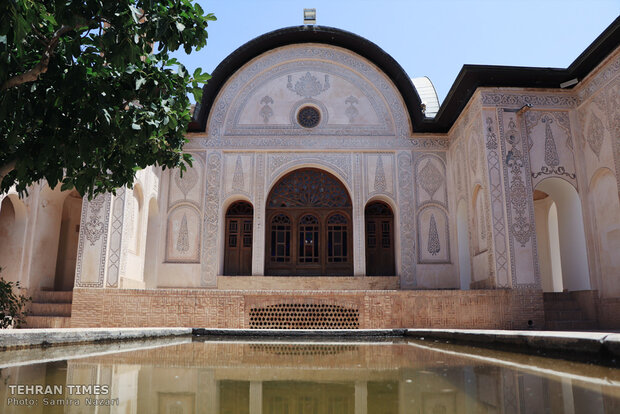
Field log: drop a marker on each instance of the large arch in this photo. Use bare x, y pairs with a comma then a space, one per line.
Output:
605, 197
571, 235
309, 225
13, 219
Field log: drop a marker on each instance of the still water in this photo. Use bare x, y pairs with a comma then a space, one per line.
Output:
185, 375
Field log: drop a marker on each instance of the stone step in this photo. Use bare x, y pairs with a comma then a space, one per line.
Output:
47, 322
51, 296
50, 309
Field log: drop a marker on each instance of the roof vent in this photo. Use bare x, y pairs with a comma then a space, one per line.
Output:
309, 16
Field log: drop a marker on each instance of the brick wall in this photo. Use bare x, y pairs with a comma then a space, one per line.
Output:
484, 309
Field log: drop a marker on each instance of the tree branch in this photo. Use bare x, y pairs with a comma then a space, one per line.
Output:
41, 67
6, 169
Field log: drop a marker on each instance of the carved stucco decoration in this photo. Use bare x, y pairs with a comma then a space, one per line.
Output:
308, 86
116, 238
430, 178
497, 205
189, 188
557, 161
316, 59
266, 111
519, 194
595, 134
511, 99
598, 81
407, 220
339, 162
433, 235
210, 232
96, 212
379, 184
351, 110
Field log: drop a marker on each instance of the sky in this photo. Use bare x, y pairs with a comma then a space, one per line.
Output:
432, 38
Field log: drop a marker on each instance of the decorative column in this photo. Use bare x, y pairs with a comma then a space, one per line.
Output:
258, 231
359, 250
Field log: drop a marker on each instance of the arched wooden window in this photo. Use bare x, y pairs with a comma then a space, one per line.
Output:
309, 209
238, 250
280, 239
337, 238
379, 239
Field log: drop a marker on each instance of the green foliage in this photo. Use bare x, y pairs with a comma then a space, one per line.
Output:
12, 306
89, 91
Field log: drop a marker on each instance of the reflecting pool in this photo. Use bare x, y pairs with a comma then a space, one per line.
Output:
185, 375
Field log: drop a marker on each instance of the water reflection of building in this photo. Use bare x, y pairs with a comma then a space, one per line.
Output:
335, 378
318, 172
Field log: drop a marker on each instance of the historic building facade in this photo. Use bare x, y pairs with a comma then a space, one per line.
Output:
322, 195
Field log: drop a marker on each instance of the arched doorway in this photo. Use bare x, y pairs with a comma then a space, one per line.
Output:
68, 242
309, 226
238, 251
560, 234
379, 239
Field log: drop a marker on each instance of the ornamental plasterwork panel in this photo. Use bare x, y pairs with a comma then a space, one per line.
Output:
364, 114
210, 226
116, 238
318, 60
511, 99
550, 145
431, 180
407, 220
379, 170
183, 235
238, 174
613, 108
188, 188
519, 199
93, 240
610, 70
496, 192
433, 235
277, 163
379, 143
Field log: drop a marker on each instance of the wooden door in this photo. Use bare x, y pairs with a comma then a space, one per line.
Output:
379, 240
238, 249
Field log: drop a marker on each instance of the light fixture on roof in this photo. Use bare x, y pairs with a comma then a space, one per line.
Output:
309, 16
568, 83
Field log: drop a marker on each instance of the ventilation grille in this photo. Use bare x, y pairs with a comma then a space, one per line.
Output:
304, 316
297, 350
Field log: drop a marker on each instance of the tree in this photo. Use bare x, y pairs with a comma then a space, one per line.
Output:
89, 93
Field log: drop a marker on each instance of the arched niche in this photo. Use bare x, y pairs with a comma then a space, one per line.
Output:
309, 225
13, 218
573, 259
66, 258
605, 197
183, 235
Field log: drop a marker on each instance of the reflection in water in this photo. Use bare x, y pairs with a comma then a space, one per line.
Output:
308, 378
